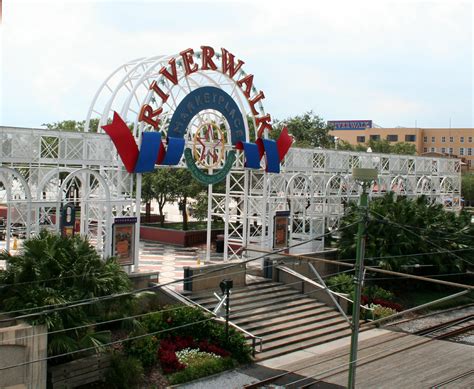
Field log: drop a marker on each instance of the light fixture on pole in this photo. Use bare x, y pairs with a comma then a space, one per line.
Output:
365, 178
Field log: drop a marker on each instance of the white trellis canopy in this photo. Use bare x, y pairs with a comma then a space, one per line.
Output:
41, 170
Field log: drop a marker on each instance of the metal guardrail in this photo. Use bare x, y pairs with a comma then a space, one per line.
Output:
314, 283
189, 302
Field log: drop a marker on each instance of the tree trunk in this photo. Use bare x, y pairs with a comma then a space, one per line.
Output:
162, 216
184, 213
147, 211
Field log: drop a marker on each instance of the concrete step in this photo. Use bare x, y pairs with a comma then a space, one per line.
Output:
312, 341
244, 294
265, 301
249, 287
328, 324
271, 318
296, 322
308, 335
270, 306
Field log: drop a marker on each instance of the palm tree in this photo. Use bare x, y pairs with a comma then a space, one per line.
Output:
53, 270
402, 227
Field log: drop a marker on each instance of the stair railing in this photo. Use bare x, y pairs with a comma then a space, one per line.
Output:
331, 293
187, 301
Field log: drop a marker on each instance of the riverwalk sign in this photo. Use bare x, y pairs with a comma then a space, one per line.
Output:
211, 150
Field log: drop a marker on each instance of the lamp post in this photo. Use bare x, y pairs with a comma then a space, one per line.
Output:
226, 285
363, 177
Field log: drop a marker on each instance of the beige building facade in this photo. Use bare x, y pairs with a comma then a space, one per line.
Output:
452, 142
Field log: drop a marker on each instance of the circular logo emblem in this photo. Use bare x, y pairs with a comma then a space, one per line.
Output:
209, 145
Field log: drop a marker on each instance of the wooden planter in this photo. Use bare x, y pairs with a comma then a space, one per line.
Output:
79, 372
176, 237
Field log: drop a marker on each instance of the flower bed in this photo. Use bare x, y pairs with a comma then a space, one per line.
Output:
187, 344
184, 359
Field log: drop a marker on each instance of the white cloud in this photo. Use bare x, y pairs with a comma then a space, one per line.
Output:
303, 54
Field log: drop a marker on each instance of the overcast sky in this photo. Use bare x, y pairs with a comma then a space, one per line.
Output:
395, 62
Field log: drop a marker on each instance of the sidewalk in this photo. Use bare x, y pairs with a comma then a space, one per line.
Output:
255, 372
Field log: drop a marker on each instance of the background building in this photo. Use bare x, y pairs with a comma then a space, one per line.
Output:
451, 142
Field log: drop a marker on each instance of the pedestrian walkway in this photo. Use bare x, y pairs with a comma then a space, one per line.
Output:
170, 260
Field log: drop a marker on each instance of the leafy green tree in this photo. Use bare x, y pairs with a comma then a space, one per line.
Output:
53, 270
399, 226
186, 188
159, 185
309, 130
467, 188
72, 125
405, 148
379, 146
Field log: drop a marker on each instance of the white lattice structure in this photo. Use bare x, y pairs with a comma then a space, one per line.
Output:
41, 170
315, 184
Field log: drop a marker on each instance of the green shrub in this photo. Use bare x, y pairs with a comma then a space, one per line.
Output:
342, 283
202, 368
376, 292
144, 349
210, 330
124, 373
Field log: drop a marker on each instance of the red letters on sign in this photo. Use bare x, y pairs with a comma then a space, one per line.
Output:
173, 76
154, 86
263, 123
188, 61
207, 62
248, 81
255, 100
228, 65
147, 114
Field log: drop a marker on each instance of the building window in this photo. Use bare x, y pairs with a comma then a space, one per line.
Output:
451, 139
425, 139
433, 149
392, 138
443, 150
461, 139
443, 139
461, 151
410, 138
374, 137
450, 150
361, 139
425, 149
470, 139
469, 151
433, 139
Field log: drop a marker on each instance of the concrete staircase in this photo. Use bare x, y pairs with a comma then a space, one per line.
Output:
286, 319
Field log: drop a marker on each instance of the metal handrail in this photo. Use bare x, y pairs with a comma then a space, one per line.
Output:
190, 302
310, 281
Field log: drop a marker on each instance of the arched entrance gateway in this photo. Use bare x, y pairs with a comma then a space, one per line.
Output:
200, 110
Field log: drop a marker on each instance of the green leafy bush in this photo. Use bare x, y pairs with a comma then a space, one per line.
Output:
124, 373
143, 349
376, 292
342, 283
